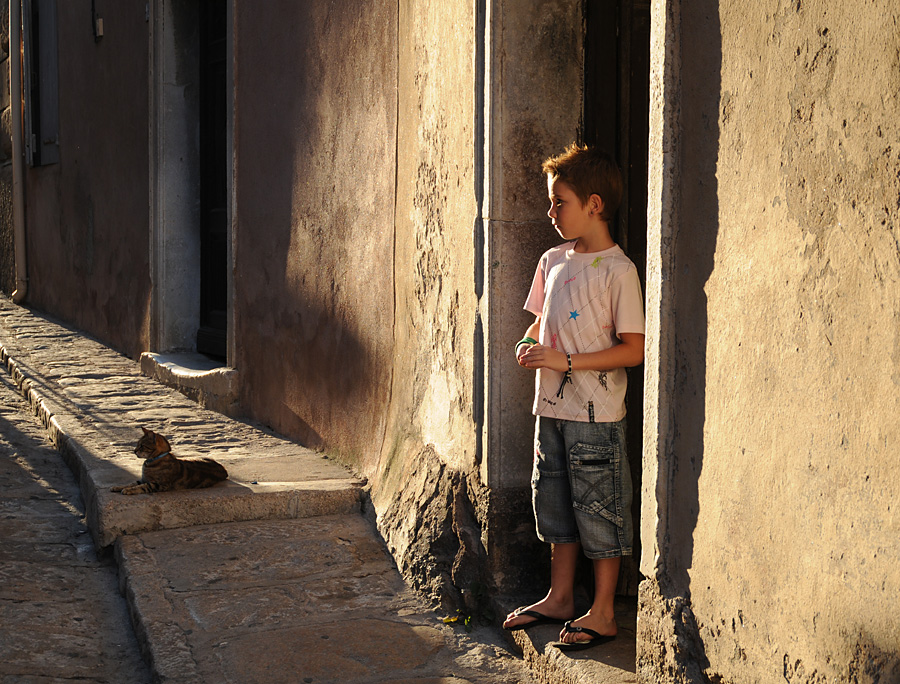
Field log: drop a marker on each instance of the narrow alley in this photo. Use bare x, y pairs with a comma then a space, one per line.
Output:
61, 614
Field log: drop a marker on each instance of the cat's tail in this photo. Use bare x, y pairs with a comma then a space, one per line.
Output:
216, 470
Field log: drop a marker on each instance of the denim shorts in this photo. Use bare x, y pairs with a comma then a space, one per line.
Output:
581, 486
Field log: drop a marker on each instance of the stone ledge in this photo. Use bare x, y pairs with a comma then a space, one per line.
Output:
198, 377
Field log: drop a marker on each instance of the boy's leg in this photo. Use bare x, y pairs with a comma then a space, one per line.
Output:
601, 615
560, 600
602, 492
552, 499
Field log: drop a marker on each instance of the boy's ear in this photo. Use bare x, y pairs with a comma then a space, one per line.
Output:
596, 204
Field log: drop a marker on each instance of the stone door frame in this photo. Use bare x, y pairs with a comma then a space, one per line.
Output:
175, 178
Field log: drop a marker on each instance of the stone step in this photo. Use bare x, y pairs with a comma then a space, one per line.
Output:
93, 403
312, 600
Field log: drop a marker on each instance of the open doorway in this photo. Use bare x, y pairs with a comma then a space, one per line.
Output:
190, 165
212, 335
616, 118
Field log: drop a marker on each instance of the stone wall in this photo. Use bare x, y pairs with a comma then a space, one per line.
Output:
772, 372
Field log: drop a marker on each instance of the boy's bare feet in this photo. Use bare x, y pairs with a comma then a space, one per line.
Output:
546, 607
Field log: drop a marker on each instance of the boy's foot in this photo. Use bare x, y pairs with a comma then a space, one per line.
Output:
538, 619
594, 639
540, 613
588, 629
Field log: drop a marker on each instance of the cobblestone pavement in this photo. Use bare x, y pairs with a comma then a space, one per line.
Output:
62, 618
273, 576
246, 590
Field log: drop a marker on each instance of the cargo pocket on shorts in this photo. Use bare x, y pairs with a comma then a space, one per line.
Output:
594, 487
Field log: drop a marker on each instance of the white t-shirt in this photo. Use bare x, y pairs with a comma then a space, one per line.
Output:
585, 301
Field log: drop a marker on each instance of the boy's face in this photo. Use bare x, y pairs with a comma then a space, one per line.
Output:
571, 219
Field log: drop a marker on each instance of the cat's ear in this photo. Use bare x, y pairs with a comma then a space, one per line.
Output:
146, 431
162, 443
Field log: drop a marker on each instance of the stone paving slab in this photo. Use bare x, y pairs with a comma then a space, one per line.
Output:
314, 600
93, 402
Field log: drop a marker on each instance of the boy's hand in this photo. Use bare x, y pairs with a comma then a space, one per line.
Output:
540, 356
520, 352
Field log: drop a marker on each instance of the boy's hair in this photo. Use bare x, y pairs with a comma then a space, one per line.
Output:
588, 171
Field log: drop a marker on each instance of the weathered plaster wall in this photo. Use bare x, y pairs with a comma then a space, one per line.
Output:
778, 518
355, 277
7, 242
87, 216
315, 140
425, 493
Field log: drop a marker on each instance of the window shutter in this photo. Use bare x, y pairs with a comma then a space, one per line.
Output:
41, 82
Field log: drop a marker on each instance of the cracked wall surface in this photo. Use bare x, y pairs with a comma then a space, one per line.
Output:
777, 517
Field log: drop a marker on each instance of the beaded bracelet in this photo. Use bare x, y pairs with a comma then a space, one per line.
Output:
566, 379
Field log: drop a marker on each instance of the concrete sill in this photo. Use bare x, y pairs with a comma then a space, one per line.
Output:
198, 377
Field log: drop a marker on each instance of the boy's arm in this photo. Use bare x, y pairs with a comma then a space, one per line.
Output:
629, 353
533, 331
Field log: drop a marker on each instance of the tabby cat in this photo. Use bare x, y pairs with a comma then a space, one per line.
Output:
163, 472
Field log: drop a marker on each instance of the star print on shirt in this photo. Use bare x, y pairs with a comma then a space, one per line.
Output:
596, 262
574, 315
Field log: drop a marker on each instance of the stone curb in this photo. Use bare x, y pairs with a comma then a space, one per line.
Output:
73, 453
163, 643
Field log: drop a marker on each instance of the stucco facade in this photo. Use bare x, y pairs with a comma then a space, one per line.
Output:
770, 487
385, 212
87, 215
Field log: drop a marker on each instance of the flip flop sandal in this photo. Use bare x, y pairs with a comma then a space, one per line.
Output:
539, 619
595, 640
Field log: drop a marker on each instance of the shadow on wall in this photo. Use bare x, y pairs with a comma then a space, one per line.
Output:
313, 284
695, 247
669, 643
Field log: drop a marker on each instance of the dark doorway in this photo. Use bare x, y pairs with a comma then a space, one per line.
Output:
213, 332
616, 118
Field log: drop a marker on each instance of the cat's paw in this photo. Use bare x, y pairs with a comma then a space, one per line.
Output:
129, 489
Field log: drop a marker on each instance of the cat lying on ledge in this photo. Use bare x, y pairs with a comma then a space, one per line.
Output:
164, 472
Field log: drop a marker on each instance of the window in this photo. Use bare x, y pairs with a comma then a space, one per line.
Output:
40, 82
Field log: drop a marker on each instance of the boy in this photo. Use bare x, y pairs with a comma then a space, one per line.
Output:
589, 327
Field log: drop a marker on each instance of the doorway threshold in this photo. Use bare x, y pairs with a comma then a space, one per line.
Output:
613, 663
210, 383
